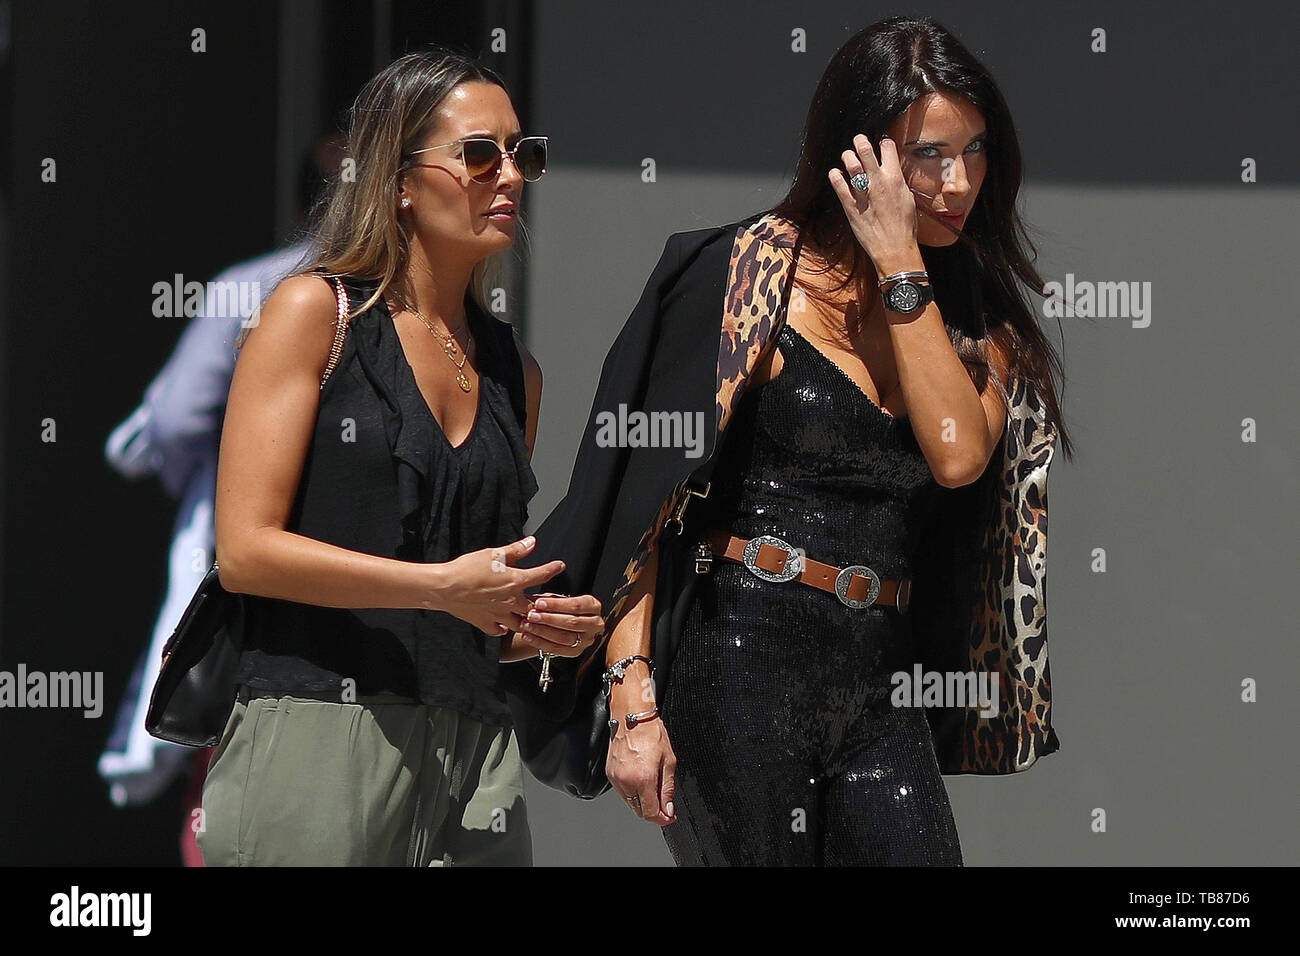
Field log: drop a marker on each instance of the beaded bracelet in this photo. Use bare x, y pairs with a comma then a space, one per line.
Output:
618, 669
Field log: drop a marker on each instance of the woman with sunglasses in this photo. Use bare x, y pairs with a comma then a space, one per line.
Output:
373, 485
894, 428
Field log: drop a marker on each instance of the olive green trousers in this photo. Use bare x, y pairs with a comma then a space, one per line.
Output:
385, 781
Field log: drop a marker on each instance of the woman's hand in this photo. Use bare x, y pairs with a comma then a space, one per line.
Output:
884, 217
483, 589
562, 625
641, 765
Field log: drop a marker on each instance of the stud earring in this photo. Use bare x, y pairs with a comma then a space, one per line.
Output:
406, 203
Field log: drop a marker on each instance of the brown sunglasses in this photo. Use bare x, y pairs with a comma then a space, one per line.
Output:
483, 157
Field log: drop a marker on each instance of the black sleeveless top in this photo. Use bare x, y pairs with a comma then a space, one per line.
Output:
381, 477
810, 458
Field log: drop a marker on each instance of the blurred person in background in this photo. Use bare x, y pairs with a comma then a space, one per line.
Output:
173, 435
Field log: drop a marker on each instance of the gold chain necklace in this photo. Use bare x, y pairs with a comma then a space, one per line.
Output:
449, 346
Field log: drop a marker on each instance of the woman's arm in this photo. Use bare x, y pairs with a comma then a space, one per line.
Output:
956, 428
269, 422
641, 765
632, 635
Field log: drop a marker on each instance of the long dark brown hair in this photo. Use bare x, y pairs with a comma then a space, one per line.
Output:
871, 81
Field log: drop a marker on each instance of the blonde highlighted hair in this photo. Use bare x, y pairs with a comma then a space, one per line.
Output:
355, 228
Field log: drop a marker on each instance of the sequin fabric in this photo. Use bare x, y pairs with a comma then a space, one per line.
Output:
789, 751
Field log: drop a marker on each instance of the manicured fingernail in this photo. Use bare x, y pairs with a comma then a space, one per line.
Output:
540, 604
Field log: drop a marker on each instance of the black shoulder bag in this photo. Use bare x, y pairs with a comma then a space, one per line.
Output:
195, 690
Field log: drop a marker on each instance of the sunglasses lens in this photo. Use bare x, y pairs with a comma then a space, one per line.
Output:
482, 159
532, 158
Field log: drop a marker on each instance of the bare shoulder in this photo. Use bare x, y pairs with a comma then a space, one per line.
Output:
303, 298
296, 324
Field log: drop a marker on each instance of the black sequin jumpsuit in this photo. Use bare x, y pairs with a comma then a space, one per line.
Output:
789, 751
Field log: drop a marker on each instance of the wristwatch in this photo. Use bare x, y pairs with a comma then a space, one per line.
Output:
907, 297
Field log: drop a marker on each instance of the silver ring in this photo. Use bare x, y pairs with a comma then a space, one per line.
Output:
860, 182
842, 585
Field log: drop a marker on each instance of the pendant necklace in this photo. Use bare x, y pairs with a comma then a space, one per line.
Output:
450, 347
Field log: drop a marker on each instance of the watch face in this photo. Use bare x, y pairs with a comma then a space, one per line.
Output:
905, 296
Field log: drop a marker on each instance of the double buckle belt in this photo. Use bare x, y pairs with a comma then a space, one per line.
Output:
772, 559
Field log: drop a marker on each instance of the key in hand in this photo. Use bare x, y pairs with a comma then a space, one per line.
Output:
544, 682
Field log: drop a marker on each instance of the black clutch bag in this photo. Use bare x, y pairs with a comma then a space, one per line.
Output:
195, 690
563, 734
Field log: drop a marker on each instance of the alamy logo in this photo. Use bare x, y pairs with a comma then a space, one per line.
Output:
1100, 300
75, 908
651, 430
77, 689
214, 300
945, 689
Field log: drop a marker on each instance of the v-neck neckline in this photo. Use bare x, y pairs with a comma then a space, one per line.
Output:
470, 320
847, 377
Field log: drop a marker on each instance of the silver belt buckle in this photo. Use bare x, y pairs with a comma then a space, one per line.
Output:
842, 586
793, 561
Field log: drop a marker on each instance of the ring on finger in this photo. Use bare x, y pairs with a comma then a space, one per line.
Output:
860, 182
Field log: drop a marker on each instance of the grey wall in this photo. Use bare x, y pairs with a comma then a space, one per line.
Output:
1133, 174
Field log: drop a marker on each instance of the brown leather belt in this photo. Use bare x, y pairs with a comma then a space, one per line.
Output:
772, 559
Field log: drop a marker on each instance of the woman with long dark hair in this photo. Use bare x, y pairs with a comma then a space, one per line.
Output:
373, 485
908, 369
